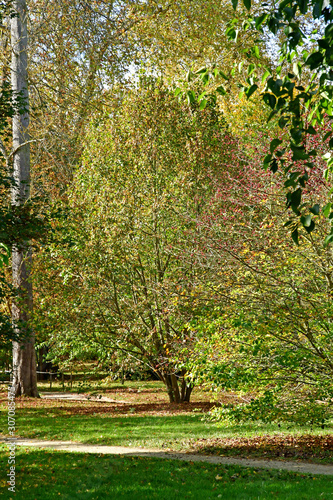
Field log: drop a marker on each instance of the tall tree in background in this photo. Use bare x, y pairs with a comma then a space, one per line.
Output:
24, 361
78, 50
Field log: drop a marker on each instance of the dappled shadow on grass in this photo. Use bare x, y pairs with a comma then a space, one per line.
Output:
169, 431
180, 432
167, 426
131, 401
89, 407
44, 475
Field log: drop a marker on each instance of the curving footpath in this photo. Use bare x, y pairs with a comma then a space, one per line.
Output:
300, 467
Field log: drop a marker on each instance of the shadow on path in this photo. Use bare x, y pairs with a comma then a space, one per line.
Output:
301, 467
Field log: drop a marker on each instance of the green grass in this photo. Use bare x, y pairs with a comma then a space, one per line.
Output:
149, 431
44, 475
174, 431
75, 421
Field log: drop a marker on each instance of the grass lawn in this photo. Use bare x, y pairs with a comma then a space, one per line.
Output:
139, 415
44, 475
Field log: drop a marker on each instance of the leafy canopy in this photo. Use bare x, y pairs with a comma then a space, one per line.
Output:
298, 92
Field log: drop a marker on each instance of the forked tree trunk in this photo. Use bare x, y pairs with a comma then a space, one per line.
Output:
24, 358
178, 390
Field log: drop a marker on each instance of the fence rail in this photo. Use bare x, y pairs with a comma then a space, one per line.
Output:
43, 373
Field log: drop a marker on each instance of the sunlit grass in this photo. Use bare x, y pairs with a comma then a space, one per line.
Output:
44, 475
95, 422
171, 431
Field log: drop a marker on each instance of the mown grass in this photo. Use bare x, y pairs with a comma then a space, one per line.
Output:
178, 432
95, 422
175, 431
148, 431
44, 474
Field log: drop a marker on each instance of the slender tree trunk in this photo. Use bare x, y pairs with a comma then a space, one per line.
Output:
24, 357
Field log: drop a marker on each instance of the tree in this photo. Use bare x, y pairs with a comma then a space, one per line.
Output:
128, 272
78, 52
270, 330
87, 57
295, 102
17, 223
299, 107
56, 43
181, 35
24, 361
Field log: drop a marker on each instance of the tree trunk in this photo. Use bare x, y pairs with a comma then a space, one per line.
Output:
172, 383
186, 391
24, 357
168, 383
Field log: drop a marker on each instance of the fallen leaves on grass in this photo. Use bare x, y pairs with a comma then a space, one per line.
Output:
142, 409
278, 446
87, 407
307, 447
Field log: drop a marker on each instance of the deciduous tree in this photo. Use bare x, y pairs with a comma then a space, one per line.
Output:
24, 362
269, 331
129, 272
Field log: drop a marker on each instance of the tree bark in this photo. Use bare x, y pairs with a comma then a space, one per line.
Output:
186, 391
175, 395
24, 357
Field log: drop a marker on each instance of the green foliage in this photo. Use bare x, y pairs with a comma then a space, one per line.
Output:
286, 96
277, 406
8, 106
125, 259
297, 103
272, 337
18, 224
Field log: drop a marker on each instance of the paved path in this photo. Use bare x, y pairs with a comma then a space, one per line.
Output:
75, 396
301, 467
